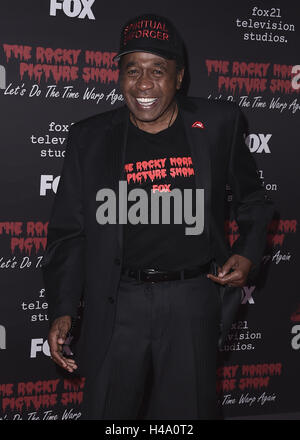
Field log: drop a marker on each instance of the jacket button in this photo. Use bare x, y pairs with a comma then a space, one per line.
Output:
117, 261
111, 299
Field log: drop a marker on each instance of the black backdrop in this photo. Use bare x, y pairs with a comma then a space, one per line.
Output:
56, 68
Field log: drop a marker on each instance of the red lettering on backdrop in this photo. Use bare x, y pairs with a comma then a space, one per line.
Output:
18, 403
23, 396
58, 73
26, 237
100, 58
61, 64
249, 84
243, 76
18, 51
255, 376
276, 231
50, 55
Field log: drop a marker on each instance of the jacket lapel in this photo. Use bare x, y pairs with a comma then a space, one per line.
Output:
117, 147
201, 156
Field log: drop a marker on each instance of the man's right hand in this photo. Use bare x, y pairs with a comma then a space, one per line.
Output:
56, 339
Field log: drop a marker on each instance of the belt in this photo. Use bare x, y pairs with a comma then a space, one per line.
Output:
154, 275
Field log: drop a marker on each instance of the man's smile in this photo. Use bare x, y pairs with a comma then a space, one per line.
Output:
146, 102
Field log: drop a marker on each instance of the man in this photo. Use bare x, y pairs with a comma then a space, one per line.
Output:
157, 300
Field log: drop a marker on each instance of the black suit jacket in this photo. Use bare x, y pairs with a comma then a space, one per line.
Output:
85, 258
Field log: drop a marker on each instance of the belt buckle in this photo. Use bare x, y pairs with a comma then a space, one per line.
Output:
155, 272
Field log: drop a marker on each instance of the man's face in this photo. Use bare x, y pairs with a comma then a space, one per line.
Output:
149, 83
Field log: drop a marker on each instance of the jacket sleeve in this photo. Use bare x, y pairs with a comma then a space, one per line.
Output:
63, 260
252, 209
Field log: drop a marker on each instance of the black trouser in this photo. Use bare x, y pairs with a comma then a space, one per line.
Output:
161, 363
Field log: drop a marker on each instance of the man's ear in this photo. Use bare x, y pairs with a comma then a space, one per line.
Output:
179, 79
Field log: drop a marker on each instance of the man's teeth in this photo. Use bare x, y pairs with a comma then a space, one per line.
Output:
146, 101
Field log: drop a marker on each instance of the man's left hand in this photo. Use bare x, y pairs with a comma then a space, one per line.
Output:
240, 267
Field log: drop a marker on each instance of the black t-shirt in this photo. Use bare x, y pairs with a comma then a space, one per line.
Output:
159, 163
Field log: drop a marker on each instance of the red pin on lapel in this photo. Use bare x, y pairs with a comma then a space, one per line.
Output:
198, 124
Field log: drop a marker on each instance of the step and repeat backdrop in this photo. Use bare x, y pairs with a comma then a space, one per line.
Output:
56, 68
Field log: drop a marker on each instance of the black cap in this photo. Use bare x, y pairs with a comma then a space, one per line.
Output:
151, 33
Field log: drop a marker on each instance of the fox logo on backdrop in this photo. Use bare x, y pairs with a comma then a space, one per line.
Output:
2, 77
258, 143
247, 294
39, 345
48, 182
73, 8
2, 338
295, 342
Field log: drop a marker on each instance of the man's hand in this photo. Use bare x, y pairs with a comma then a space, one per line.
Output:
56, 338
238, 277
